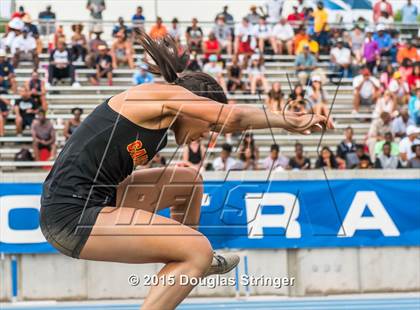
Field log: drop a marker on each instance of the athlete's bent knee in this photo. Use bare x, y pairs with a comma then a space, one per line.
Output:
201, 254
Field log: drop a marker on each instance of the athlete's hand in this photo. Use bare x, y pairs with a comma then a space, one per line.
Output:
306, 123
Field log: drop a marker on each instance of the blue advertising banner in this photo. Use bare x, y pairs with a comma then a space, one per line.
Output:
253, 214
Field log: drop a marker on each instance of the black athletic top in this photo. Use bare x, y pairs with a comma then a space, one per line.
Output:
194, 157
100, 154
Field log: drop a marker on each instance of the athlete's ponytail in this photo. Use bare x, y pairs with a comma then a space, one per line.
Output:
169, 63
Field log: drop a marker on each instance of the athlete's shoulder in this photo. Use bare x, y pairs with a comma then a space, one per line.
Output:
153, 91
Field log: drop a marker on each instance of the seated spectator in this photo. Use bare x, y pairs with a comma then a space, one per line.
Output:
409, 13
194, 36
234, 74
371, 51
211, 47
36, 87
388, 137
223, 33
356, 41
385, 103
248, 152
243, 37
366, 90
275, 98
14, 29
7, 75
346, 149
415, 161
282, 37
46, 20
413, 79
103, 66
194, 63
313, 46
95, 7
414, 107
61, 66
408, 51
384, 40
194, 154
301, 35
256, 74
138, 19
121, 27
262, 32
299, 162
275, 161
406, 152
214, 69
341, 59
32, 31
93, 46
4, 112
253, 16
296, 18
274, 9
158, 30
59, 36
386, 20
25, 110
400, 123
386, 76
122, 52
72, 124
379, 7
305, 63
297, 101
175, 31
399, 88
142, 76
326, 159
317, 97
376, 132
225, 162
386, 160
364, 162
78, 43
43, 135
24, 48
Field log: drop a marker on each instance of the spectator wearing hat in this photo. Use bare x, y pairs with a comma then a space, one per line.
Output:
401, 123
43, 135
194, 36
4, 112
275, 161
211, 46
381, 6
61, 65
72, 124
406, 152
409, 13
214, 69
384, 40
37, 88
388, 137
46, 20
122, 51
14, 29
25, 109
158, 30
121, 27
408, 51
95, 7
399, 88
305, 63
78, 43
225, 162
93, 46
24, 48
103, 64
256, 74
414, 106
174, 31
253, 17
376, 132
283, 35
414, 162
262, 32
138, 19
243, 36
371, 51
7, 74
32, 31
341, 59
142, 76
223, 34
366, 89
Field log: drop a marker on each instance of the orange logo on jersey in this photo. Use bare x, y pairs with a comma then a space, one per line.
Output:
137, 153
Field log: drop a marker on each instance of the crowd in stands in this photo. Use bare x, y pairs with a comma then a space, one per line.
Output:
383, 62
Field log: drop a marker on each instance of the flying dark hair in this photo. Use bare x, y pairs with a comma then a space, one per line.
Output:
171, 64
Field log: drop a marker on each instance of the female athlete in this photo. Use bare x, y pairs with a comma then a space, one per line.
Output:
96, 206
